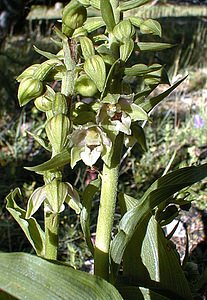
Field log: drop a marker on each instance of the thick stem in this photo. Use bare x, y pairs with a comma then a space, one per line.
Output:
106, 211
51, 235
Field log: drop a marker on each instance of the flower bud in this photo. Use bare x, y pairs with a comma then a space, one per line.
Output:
59, 105
42, 103
29, 88
74, 15
85, 86
124, 30
28, 72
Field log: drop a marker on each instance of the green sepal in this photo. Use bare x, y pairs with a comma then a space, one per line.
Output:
95, 68
31, 228
73, 199
56, 193
107, 14
35, 201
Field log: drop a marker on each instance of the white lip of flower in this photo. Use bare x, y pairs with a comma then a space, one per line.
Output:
92, 140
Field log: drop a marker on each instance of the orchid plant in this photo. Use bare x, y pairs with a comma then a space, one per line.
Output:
93, 114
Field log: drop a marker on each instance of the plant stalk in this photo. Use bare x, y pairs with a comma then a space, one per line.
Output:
106, 211
51, 235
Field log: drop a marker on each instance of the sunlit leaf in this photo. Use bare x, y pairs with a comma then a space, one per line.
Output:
159, 191
29, 277
107, 14
30, 226
152, 46
151, 26
54, 163
127, 5
152, 102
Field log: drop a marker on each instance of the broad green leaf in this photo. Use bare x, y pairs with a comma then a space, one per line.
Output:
88, 196
150, 260
152, 46
95, 68
29, 277
159, 191
149, 104
151, 26
132, 4
107, 14
141, 69
54, 163
93, 24
30, 226
140, 293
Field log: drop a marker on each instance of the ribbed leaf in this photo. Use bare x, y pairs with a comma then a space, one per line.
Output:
29, 277
132, 4
35, 201
88, 195
159, 191
93, 24
141, 69
95, 68
57, 161
30, 226
152, 102
151, 26
107, 14
151, 46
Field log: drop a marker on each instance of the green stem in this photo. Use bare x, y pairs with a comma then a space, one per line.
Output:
106, 211
51, 235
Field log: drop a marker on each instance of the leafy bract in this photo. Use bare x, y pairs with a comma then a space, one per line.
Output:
55, 162
29, 277
31, 228
149, 104
88, 195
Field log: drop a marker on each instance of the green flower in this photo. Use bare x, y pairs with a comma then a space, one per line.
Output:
89, 143
117, 117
